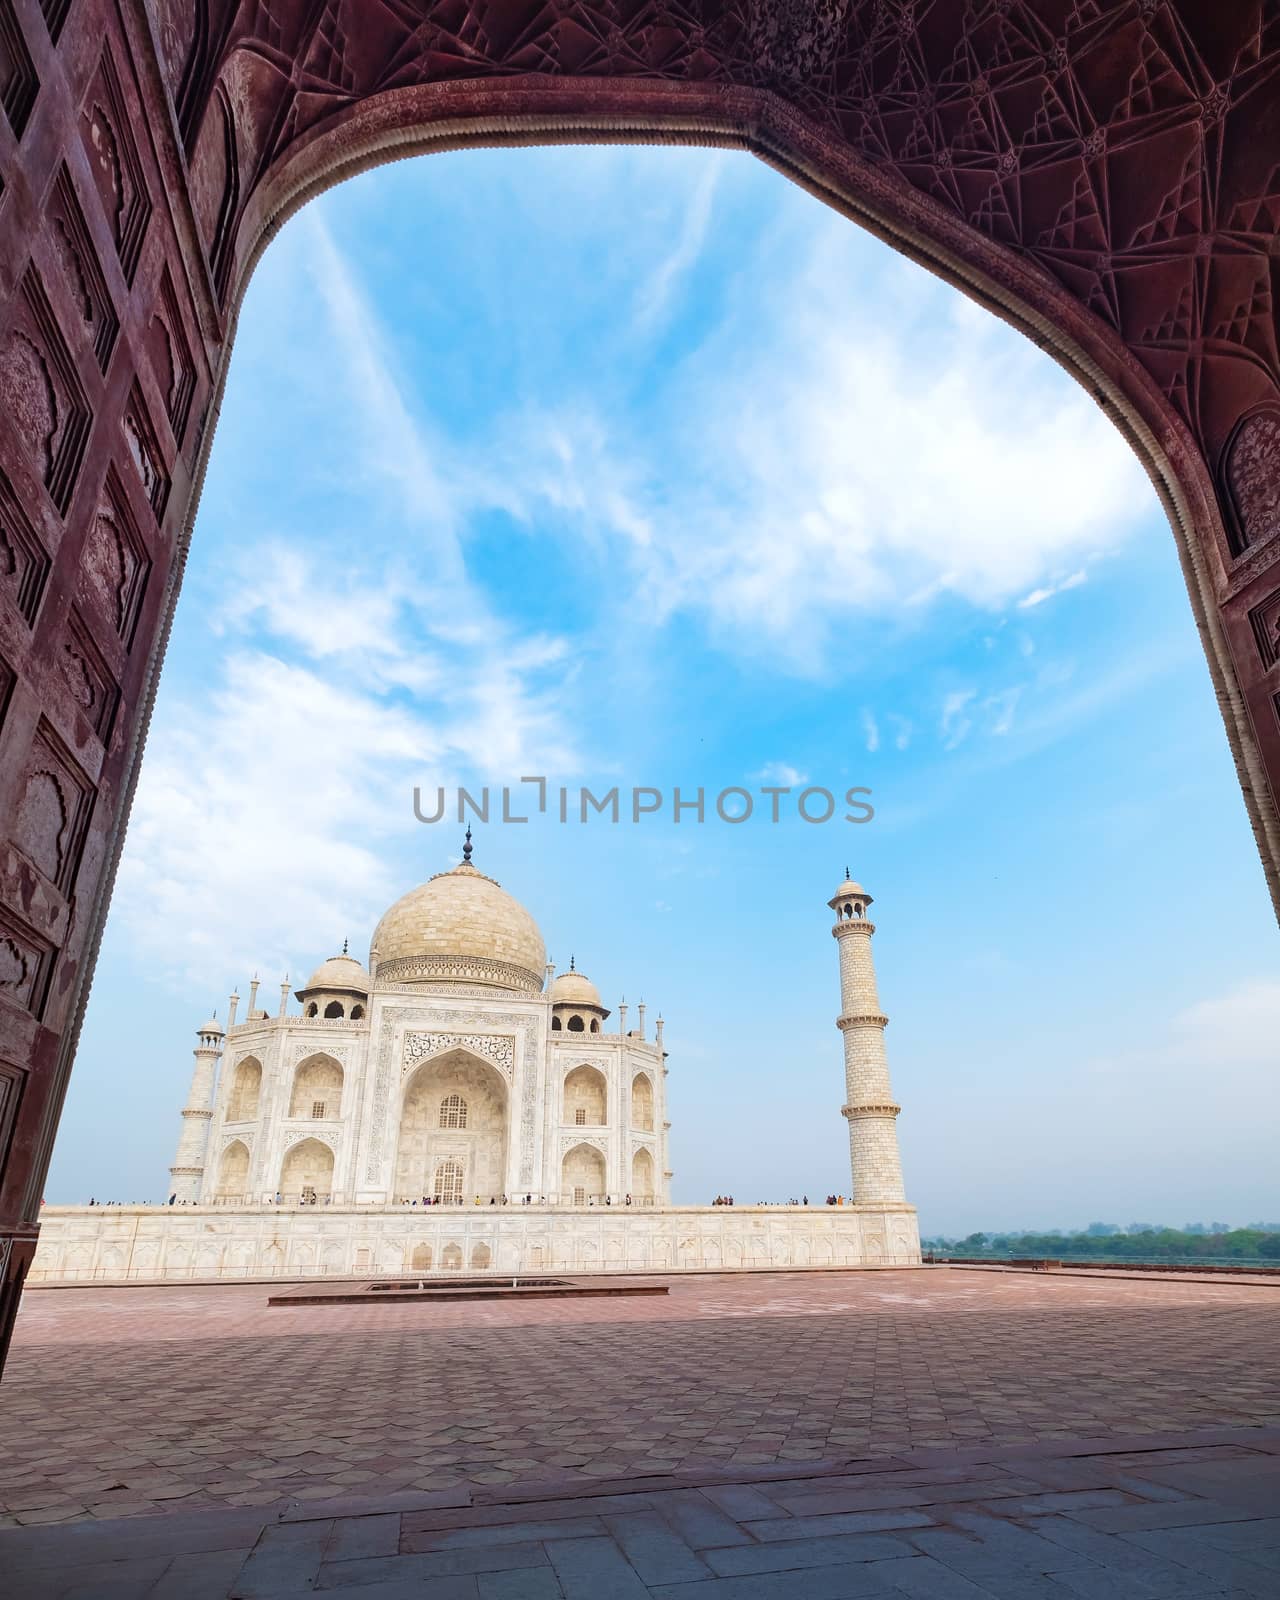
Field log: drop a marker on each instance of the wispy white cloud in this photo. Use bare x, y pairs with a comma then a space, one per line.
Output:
1037, 597
655, 296
781, 773
813, 459
955, 723
871, 732
902, 731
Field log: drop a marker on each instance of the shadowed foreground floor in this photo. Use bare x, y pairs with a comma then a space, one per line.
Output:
944, 1433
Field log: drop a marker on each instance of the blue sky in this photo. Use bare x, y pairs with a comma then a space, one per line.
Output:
640, 467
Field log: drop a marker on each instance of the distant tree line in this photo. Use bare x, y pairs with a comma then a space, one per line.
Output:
1140, 1241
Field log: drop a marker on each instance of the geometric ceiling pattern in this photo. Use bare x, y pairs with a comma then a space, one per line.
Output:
1116, 145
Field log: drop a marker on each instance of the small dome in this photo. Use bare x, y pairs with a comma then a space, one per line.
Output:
574, 988
850, 889
339, 972
460, 925
212, 1026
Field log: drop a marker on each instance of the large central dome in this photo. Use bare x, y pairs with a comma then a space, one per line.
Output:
459, 927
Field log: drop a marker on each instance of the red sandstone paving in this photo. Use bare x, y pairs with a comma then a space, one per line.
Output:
124, 1401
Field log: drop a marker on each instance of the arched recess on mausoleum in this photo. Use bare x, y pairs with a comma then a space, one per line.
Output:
233, 1172
317, 1088
582, 1175
306, 1173
454, 1107
642, 1190
246, 1091
586, 1097
642, 1101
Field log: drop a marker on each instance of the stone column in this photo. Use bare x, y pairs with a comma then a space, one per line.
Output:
872, 1114
186, 1175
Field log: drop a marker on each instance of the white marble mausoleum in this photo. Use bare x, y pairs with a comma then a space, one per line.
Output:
457, 1104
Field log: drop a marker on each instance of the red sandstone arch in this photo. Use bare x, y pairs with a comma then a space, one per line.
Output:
1105, 176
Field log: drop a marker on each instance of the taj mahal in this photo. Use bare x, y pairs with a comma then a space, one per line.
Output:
457, 1103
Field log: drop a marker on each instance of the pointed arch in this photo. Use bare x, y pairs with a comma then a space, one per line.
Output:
586, 1097
455, 1107
642, 1189
233, 1172
246, 1091
317, 1083
642, 1102
582, 1175
306, 1173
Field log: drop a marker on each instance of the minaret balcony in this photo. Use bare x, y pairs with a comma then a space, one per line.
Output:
859, 1018
888, 1109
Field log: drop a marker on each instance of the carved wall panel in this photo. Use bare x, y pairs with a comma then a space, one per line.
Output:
24, 563
144, 449
115, 564
53, 810
1251, 473
81, 269
18, 82
41, 391
87, 676
114, 161
55, 14
11, 1082
171, 358
26, 963
216, 180
1265, 621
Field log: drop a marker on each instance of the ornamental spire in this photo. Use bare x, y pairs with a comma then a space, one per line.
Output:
466, 846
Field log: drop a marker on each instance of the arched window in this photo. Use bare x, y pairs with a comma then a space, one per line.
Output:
448, 1191
356, 1013
595, 1024
556, 1026
453, 1111
245, 1089
318, 1078
641, 1102
575, 1024
233, 1172
586, 1097
481, 1256
334, 1009
451, 1256
313, 1010
306, 1175
421, 1260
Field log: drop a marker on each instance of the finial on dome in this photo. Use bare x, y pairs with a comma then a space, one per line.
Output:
344, 947
466, 847
572, 966
848, 876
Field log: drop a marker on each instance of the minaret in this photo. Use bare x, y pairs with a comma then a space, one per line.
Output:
187, 1172
870, 1108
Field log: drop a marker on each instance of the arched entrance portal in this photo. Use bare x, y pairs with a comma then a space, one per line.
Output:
582, 1176
233, 1174
1136, 247
452, 1141
306, 1174
317, 1089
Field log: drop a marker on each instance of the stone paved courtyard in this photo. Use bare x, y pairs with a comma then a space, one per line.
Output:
945, 1434
120, 1402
